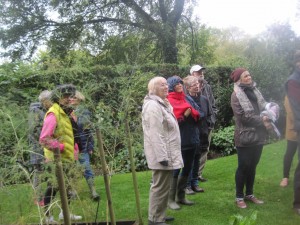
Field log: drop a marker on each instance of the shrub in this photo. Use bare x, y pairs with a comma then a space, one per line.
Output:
244, 220
121, 161
223, 141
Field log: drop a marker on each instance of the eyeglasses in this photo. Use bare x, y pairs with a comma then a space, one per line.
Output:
195, 84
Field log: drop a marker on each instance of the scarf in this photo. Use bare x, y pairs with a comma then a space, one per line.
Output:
180, 105
69, 111
252, 93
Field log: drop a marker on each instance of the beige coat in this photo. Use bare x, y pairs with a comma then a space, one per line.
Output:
161, 134
290, 133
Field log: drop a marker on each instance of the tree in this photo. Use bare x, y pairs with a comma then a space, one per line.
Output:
65, 24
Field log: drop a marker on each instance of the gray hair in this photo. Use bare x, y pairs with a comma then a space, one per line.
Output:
189, 80
79, 96
45, 95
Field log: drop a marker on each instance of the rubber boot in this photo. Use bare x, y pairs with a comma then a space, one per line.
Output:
172, 194
181, 191
95, 195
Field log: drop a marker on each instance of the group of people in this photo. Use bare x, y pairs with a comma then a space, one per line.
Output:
178, 118
60, 123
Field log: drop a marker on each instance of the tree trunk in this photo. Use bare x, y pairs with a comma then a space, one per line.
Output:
167, 40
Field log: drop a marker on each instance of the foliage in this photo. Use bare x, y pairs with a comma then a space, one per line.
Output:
195, 44
65, 25
229, 47
121, 161
247, 220
218, 78
223, 141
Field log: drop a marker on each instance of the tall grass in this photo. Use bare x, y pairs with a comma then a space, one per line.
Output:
213, 207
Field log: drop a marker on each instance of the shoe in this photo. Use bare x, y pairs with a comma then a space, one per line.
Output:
169, 218
202, 179
189, 191
253, 199
197, 189
72, 216
241, 204
72, 194
49, 220
284, 182
297, 210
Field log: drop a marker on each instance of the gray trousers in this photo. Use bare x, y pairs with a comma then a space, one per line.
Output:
158, 196
203, 157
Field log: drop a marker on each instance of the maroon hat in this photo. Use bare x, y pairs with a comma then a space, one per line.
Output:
236, 74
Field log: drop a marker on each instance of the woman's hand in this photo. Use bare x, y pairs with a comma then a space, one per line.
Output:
267, 123
187, 112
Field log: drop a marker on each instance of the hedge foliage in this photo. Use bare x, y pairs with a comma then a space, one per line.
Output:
113, 93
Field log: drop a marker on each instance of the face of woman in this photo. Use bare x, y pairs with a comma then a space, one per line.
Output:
246, 78
178, 88
194, 88
74, 101
162, 89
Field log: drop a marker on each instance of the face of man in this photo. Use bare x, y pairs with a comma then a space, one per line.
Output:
199, 74
46, 103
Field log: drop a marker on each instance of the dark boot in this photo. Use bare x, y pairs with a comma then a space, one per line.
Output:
95, 195
172, 195
181, 192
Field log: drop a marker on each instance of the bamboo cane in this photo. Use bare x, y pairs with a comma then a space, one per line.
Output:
132, 165
61, 187
105, 175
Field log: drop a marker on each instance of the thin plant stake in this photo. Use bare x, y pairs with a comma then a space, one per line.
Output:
105, 175
61, 186
132, 166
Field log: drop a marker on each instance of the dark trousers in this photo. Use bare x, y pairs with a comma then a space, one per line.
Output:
193, 176
248, 158
52, 188
50, 194
296, 203
188, 158
288, 157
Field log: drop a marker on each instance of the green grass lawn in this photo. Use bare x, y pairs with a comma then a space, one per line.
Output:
214, 207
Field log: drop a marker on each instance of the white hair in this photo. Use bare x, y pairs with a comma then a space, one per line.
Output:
152, 85
45, 95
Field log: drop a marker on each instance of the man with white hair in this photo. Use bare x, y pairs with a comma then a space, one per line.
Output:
205, 90
36, 116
